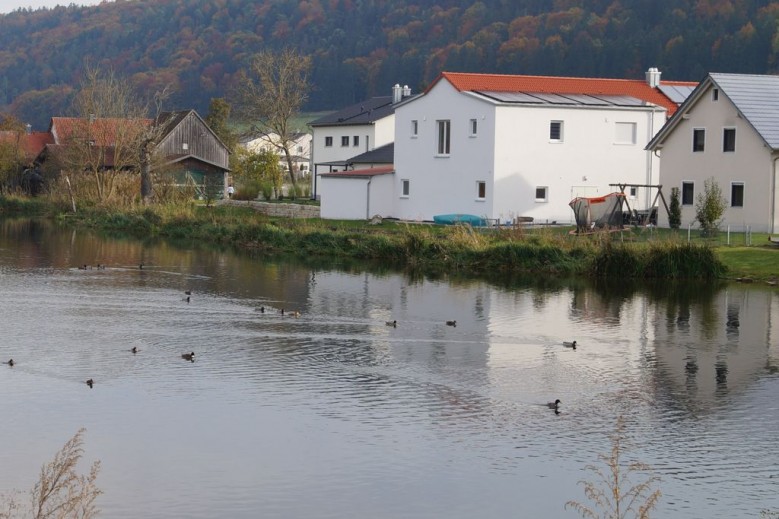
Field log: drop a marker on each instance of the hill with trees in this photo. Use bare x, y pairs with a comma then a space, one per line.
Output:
360, 48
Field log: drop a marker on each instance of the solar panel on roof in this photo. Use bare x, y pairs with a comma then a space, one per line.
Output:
621, 100
511, 97
555, 99
585, 99
676, 93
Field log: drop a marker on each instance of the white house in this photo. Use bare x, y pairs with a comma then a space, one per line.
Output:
359, 128
300, 149
504, 146
727, 129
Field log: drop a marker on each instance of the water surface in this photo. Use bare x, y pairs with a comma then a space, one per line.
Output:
334, 414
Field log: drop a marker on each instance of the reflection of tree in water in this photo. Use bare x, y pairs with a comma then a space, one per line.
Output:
721, 373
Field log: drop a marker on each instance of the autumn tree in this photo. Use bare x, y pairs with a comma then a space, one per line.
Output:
269, 94
11, 152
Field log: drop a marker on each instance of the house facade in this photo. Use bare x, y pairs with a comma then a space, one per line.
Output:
728, 130
300, 149
357, 129
505, 147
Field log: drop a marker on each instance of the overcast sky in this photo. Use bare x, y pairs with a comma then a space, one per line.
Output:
6, 6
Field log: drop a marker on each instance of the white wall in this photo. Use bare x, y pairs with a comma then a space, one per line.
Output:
751, 164
443, 185
356, 198
513, 154
584, 163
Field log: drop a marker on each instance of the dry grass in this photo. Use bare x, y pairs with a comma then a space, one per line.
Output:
612, 491
60, 493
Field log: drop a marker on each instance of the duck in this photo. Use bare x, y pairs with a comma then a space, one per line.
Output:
188, 292
140, 267
90, 382
82, 267
554, 405
451, 323
570, 344
295, 313
134, 350
10, 362
187, 299
394, 324
188, 356
262, 309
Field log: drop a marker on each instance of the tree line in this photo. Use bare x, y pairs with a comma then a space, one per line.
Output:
359, 48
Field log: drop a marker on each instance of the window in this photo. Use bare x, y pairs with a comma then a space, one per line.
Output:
300, 149
715, 94
688, 192
405, 188
698, 139
356, 140
444, 129
345, 140
633, 192
474, 127
481, 190
556, 131
414, 128
328, 142
737, 194
542, 193
625, 133
729, 139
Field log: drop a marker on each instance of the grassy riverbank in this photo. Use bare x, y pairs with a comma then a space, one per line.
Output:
543, 250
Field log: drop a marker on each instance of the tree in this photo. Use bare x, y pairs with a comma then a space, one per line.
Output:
11, 152
709, 207
270, 94
218, 119
111, 133
255, 169
60, 493
613, 492
675, 211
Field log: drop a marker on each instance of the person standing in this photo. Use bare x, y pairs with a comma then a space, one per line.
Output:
230, 191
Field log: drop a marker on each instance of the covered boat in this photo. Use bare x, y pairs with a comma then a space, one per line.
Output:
453, 219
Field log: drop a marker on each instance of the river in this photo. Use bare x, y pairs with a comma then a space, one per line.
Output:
334, 414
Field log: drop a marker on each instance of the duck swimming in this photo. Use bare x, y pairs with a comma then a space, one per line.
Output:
90, 382
10, 362
571, 345
451, 323
134, 350
188, 356
394, 324
554, 405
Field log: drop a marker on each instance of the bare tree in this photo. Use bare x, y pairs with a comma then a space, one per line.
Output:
270, 94
112, 133
60, 493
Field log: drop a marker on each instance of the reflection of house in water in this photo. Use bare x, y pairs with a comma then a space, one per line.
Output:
708, 347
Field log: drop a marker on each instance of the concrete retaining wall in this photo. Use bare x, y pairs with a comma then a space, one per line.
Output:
277, 209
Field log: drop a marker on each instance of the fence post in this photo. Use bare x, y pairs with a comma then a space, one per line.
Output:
689, 226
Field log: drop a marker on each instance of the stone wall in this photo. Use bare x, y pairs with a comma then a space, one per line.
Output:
277, 209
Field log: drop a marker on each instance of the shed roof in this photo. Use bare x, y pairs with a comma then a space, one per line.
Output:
361, 173
381, 155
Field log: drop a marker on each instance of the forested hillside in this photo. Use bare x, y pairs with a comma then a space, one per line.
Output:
362, 47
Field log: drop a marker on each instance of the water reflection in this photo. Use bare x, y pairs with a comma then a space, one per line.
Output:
421, 420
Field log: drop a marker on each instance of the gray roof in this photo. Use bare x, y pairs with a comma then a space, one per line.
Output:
535, 98
381, 155
757, 98
676, 93
366, 112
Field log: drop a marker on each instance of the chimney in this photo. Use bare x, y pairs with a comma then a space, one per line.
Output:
91, 118
28, 128
397, 93
406, 91
653, 77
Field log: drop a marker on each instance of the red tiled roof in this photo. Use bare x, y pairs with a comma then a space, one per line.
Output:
368, 172
561, 85
103, 131
31, 143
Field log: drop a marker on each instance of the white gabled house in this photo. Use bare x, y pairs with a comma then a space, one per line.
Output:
357, 129
300, 149
504, 146
728, 129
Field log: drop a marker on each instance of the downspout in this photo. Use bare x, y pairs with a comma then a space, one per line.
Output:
649, 160
368, 199
772, 225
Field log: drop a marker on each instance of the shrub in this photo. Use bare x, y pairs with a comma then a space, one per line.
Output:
675, 210
709, 207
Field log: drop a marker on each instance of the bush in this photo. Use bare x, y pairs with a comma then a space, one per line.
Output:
709, 208
675, 210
